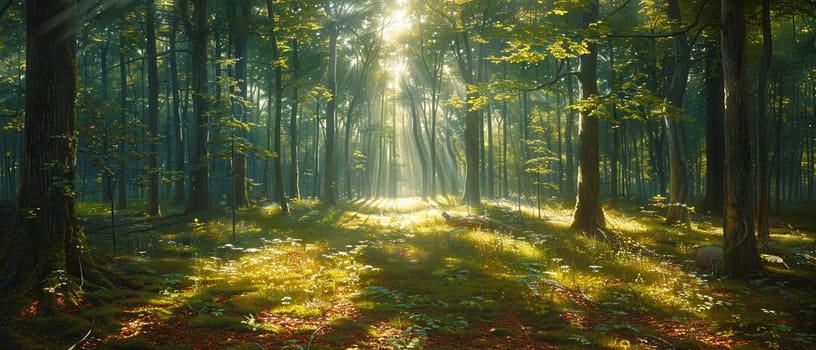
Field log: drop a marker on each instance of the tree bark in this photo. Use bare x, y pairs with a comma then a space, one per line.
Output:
199, 198
239, 161
329, 181
588, 215
294, 171
152, 208
739, 243
279, 192
715, 133
678, 175
763, 174
46, 254
178, 149
121, 201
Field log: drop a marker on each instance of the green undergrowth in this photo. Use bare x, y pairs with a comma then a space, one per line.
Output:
393, 273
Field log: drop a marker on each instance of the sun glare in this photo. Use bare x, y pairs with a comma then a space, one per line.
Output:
396, 22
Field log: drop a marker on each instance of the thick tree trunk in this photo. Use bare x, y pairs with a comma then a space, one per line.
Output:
739, 243
46, 254
199, 198
152, 208
588, 216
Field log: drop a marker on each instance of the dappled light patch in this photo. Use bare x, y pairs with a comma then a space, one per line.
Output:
393, 274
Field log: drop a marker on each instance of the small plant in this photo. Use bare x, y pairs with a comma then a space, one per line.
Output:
251, 322
171, 280
580, 339
475, 302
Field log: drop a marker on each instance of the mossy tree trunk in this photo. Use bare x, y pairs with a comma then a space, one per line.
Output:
45, 255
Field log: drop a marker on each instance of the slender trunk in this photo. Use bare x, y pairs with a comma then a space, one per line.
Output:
279, 192
613, 157
294, 171
199, 198
329, 182
239, 161
121, 202
178, 148
763, 174
152, 112
569, 182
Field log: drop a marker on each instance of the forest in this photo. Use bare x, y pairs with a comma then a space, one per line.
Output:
408, 174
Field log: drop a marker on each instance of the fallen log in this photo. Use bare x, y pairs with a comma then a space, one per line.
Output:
475, 222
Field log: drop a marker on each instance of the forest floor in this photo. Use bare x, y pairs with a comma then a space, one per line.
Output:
392, 274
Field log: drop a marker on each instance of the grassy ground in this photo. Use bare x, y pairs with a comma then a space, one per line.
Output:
391, 274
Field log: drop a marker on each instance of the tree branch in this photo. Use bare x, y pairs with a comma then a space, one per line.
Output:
667, 35
5, 7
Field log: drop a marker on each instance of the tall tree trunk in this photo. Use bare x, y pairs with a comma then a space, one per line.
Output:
739, 243
588, 216
152, 208
294, 171
569, 149
678, 166
715, 133
473, 117
763, 174
239, 161
107, 179
199, 198
47, 247
613, 156
490, 185
279, 192
329, 181
178, 146
121, 201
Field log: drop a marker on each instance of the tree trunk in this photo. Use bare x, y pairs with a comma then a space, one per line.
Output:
294, 172
46, 253
199, 198
239, 161
739, 243
588, 216
329, 182
613, 156
763, 174
178, 139
569, 149
121, 201
678, 166
152, 208
715, 159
